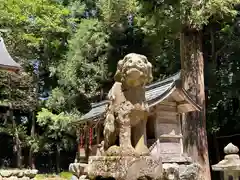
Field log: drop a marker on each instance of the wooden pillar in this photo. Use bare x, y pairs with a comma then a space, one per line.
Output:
180, 126
98, 133
78, 144
86, 132
156, 135
235, 176
225, 176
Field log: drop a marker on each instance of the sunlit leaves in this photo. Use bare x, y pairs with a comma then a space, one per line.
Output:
57, 128
18, 90
84, 66
195, 14
115, 13
31, 23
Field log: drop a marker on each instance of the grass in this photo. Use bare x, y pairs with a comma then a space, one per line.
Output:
66, 175
61, 176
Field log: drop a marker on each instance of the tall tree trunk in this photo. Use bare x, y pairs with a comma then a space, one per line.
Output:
17, 142
86, 146
33, 125
195, 136
19, 151
31, 154
50, 162
58, 158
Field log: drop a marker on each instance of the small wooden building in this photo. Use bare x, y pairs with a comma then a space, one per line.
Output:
168, 103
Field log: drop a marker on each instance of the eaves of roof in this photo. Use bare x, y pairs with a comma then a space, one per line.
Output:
155, 93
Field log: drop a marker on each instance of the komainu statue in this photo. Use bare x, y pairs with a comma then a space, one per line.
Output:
126, 117
124, 154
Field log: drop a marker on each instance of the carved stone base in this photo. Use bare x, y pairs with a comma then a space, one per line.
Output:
174, 171
124, 167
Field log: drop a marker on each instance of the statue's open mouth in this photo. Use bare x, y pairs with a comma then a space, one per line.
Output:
134, 73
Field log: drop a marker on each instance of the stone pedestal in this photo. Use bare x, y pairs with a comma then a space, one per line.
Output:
124, 167
174, 171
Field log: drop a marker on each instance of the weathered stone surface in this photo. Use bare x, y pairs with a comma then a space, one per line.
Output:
31, 173
128, 106
74, 177
158, 150
20, 174
126, 120
170, 171
16, 178
13, 178
77, 169
230, 165
25, 178
16, 174
144, 167
231, 149
190, 172
174, 171
6, 173
124, 167
83, 177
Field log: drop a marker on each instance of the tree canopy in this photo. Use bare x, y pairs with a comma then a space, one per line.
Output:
69, 50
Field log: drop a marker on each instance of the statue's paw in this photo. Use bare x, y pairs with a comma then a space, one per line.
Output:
113, 151
129, 151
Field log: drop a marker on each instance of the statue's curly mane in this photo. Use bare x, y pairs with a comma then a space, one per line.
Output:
124, 65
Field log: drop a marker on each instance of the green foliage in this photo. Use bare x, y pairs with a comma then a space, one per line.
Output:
57, 128
223, 108
19, 131
30, 22
78, 44
57, 101
115, 13
63, 176
85, 64
196, 14
17, 90
77, 8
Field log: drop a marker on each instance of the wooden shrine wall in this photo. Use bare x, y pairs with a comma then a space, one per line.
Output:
167, 130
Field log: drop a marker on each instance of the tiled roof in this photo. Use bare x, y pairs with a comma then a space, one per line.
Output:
6, 60
154, 92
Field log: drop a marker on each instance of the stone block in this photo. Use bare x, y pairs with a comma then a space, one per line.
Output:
166, 128
174, 171
77, 169
170, 148
124, 167
18, 174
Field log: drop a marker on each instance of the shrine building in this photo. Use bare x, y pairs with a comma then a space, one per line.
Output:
168, 102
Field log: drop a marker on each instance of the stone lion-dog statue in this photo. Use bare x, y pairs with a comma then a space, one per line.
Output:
126, 116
